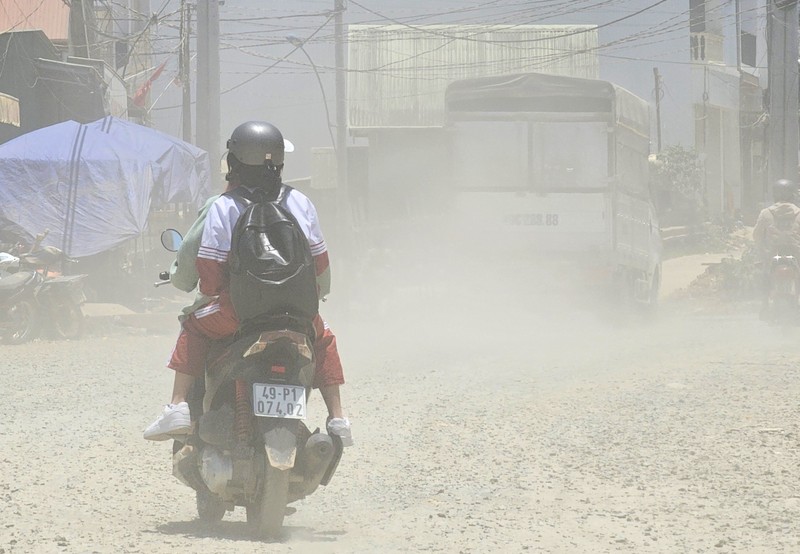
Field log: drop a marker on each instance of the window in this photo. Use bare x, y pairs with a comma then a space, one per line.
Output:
748, 46
697, 16
570, 155
490, 155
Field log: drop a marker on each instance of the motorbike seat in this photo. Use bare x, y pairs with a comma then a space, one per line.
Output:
275, 322
16, 281
232, 348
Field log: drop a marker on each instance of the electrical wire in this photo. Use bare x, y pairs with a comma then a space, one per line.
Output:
649, 36
565, 35
241, 84
24, 17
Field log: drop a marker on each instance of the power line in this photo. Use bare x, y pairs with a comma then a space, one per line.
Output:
24, 17
565, 35
663, 28
268, 68
329, 18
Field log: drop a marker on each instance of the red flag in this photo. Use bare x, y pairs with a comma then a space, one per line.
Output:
141, 93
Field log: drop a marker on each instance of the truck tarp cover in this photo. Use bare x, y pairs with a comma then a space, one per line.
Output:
538, 92
92, 186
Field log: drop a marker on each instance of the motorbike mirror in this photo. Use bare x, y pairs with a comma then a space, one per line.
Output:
171, 240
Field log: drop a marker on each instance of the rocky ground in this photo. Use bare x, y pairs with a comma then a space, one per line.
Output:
536, 428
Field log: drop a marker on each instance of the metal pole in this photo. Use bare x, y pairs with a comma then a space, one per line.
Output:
208, 89
300, 45
738, 9
343, 203
782, 27
201, 88
214, 147
658, 106
186, 72
324, 97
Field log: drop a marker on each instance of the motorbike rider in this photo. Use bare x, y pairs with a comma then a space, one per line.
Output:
255, 161
777, 230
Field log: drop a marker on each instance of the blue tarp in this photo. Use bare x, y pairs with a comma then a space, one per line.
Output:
180, 169
93, 185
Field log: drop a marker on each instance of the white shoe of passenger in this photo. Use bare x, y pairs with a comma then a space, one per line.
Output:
340, 426
175, 420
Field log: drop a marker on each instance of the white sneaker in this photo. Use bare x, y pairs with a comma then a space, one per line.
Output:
340, 426
175, 420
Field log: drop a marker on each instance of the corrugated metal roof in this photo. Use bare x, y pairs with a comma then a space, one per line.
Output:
398, 75
51, 16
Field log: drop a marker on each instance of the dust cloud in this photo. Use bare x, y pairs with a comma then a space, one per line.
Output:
448, 290
499, 401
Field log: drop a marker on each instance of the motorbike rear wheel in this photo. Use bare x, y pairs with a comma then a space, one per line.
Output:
23, 322
265, 516
68, 321
785, 309
210, 508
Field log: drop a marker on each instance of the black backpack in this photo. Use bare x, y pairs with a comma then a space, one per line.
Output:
272, 270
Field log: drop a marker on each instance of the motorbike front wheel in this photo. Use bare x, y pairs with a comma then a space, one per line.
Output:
23, 322
68, 321
265, 516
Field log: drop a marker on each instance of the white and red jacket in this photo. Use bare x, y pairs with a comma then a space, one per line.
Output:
215, 245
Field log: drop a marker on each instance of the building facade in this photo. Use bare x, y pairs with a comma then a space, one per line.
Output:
710, 58
47, 75
396, 97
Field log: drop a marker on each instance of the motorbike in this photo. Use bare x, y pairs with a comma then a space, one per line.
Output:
32, 298
784, 275
9, 264
249, 445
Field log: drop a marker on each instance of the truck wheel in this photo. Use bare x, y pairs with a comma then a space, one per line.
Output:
651, 308
265, 516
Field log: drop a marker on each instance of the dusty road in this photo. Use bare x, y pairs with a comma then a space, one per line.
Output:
548, 432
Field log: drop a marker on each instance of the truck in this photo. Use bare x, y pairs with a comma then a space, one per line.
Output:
556, 168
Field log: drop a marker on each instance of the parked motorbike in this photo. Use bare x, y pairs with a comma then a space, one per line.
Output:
783, 295
33, 299
249, 445
9, 264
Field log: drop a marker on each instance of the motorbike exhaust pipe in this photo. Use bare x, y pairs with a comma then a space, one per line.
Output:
318, 454
216, 469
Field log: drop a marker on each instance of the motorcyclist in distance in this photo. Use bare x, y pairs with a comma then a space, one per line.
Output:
777, 231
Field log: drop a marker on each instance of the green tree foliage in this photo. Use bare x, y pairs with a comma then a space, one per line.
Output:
678, 176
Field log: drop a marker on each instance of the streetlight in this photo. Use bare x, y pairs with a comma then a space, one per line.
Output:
298, 43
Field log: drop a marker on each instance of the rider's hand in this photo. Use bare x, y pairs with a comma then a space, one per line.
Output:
340, 426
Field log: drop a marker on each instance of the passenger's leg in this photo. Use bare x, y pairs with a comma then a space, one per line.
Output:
329, 376
213, 322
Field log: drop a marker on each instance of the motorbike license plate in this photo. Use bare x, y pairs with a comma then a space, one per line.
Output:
283, 401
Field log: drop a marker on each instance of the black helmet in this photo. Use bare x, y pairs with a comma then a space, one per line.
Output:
257, 142
783, 190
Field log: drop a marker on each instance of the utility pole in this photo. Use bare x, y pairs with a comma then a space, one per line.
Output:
658, 105
782, 27
208, 90
186, 72
342, 195
140, 16
81, 29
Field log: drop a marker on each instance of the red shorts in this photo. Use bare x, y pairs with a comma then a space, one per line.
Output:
217, 320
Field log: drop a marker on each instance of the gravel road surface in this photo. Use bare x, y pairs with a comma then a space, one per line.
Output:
548, 431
